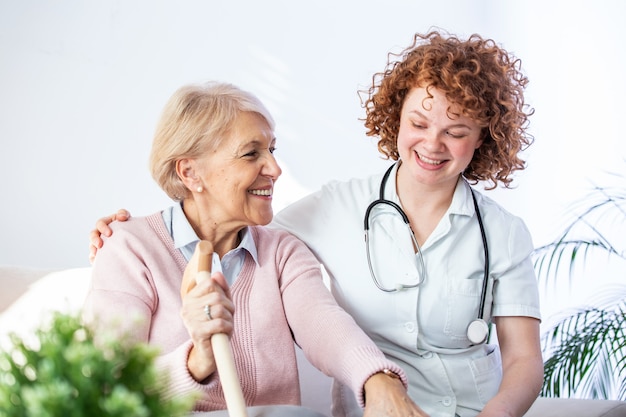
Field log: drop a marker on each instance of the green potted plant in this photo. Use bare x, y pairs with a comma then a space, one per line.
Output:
65, 370
585, 348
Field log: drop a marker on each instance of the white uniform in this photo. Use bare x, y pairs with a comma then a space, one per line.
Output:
423, 329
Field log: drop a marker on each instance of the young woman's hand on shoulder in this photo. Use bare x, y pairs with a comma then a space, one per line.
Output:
103, 229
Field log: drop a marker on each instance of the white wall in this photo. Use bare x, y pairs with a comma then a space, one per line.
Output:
82, 84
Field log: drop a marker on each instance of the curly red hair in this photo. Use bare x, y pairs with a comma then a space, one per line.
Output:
478, 77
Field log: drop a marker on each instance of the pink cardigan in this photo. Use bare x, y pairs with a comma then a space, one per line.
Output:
136, 283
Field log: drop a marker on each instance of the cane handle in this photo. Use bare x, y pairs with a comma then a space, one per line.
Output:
222, 352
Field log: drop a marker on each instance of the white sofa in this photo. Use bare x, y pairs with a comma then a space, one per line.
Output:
28, 294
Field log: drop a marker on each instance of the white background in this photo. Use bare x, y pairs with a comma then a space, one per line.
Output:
82, 84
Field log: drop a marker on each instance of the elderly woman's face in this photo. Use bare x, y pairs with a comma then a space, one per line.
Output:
239, 175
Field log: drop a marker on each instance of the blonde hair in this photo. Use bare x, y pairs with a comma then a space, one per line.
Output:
194, 121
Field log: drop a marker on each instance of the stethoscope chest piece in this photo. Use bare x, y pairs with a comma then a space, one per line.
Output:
477, 331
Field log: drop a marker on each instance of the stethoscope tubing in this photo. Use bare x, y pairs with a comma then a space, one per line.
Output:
381, 200
367, 247
483, 235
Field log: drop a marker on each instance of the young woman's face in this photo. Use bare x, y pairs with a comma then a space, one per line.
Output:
435, 145
238, 177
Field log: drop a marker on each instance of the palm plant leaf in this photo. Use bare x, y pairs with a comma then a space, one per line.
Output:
609, 209
587, 354
585, 350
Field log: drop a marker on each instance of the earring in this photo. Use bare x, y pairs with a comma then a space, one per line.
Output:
199, 189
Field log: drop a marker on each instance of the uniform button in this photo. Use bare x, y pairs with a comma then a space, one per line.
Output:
447, 401
409, 326
427, 355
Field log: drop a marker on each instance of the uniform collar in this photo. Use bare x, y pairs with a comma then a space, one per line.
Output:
462, 203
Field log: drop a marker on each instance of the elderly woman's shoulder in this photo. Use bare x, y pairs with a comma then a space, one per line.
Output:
267, 234
274, 238
139, 227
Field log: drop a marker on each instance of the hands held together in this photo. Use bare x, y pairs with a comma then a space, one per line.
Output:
207, 310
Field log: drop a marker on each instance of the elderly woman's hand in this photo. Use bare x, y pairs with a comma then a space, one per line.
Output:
207, 310
387, 396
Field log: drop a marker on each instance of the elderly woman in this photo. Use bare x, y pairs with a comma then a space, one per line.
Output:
213, 154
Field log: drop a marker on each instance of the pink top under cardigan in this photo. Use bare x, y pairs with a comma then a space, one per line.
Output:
137, 274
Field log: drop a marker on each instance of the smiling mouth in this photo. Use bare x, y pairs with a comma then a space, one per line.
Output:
265, 193
429, 161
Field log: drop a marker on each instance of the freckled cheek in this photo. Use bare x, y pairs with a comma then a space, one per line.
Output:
401, 139
405, 144
471, 149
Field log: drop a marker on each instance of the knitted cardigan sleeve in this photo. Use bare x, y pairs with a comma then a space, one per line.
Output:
329, 337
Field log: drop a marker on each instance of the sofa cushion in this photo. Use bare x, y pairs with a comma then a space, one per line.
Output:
15, 280
32, 294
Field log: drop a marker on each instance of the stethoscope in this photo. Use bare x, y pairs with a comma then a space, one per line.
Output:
478, 329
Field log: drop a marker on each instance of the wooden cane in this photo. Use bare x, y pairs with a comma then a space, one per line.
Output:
222, 352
